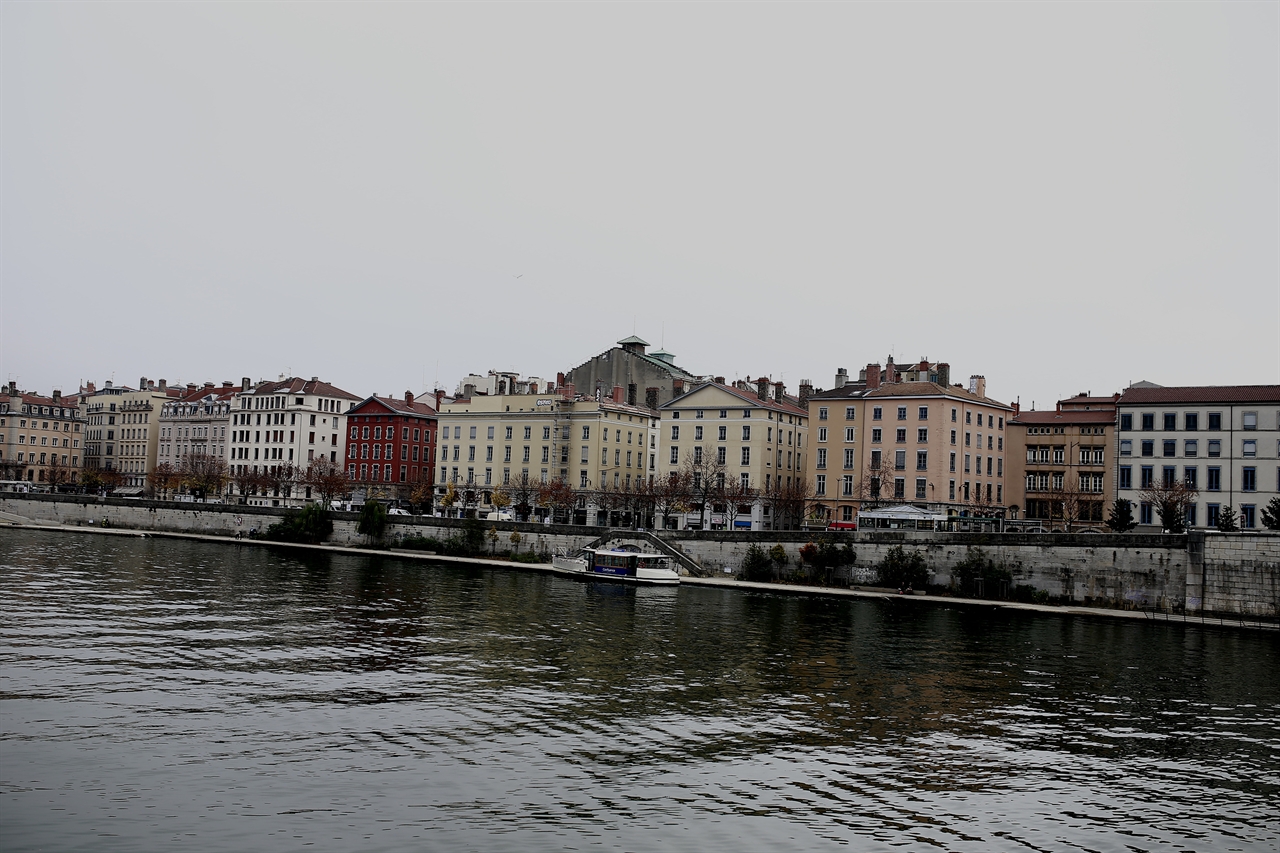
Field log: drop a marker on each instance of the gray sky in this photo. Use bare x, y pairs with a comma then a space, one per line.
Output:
1061, 196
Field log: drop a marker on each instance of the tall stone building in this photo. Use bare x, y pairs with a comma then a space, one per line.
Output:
648, 380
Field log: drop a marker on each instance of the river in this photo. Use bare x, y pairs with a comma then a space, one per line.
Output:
160, 693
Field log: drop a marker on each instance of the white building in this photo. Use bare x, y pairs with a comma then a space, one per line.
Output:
1222, 440
283, 426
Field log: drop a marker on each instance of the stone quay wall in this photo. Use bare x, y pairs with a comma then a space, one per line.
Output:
1199, 573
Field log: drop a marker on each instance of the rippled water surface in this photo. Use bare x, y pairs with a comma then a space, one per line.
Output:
159, 693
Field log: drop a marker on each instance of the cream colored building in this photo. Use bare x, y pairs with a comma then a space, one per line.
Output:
487, 443
753, 435
196, 424
123, 430
40, 437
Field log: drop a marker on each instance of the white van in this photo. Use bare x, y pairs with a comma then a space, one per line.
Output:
499, 515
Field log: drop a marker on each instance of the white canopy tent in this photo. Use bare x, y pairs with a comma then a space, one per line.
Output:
903, 516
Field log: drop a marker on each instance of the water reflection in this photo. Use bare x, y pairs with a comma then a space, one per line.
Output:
265, 699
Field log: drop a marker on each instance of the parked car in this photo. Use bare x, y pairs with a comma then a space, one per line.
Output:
395, 510
499, 515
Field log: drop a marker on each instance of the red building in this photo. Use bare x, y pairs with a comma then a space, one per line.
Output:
391, 444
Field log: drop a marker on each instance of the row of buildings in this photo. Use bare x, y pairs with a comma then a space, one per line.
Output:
629, 437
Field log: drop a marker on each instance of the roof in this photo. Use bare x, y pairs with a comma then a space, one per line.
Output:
791, 407
401, 407
848, 391
219, 392
298, 385
1069, 416
634, 340
1140, 396
903, 512
931, 389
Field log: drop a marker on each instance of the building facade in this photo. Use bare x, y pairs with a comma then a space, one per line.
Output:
1220, 440
277, 429
391, 445
602, 450
1062, 464
122, 430
195, 424
752, 438
40, 438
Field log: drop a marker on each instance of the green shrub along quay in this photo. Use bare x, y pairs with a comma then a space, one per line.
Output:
1229, 575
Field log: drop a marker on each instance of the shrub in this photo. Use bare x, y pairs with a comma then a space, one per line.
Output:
473, 536
309, 525
756, 565
902, 569
976, 564
526, 557
373, 520
825, 556
778, 555
1029, 594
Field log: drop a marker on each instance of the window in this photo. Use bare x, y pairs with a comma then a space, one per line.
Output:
846, 485
1191, 420
675, 432
698, 414
968, 439
1190, 447
697, 433
1211, 514
953, 415
746, 433
720, 455
968, 417
953, 438
1126, 422
899, 488
1247, 519
508, 434
967, 462
875, 435
922, 435
1126, 476
1248, 479
920, 488
528, 433
746, 455
1170, 421
1250, 420
722, 435
900, 460
1148, 448
924, 413
902, 413
951, 490
1170, 448
1213, 480
922, 460
952, 466
850, 459
1148, 421
822, 457
1249, 448
724, 413
675, 455
900, 435
820, 484
1190, 476
1144, 513
1215, 447
1215, 420
1168, 475
822, 413
1148, 477
875, 460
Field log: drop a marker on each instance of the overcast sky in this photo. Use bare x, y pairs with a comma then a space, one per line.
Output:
1060, 196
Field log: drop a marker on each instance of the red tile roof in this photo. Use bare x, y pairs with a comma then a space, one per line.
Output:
298, 385
791, 406
1201, 394
417, 408
1070, 416
931, 389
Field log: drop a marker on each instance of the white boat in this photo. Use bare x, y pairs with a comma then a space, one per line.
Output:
630, 566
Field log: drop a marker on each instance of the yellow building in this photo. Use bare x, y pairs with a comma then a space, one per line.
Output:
749, 440
515, 442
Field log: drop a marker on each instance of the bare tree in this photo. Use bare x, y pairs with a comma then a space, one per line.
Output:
524, 493
204, 475
248, 480
704, 475
163, 479
57, 474
789, 501
1170, 501
737, 495
557, 496
327, 480
671, 495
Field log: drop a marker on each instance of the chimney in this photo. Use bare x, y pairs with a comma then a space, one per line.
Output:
806, 388
944, 374
873, 376
408, 398
468, 390
617, 393
89, 388
142, 384
779, 392
677, 388
164, 386
244, 383
719, 380
439, 398
57, 396
533, 387
651, 397
842, 377
762, 388
978, 385
191, 387
559, 380
13, 387
631, 394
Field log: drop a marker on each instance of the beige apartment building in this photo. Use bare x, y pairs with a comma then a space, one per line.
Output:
195, 424
753, 438
1062, 464
511, 442
930, 444
122, 427
40, 438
